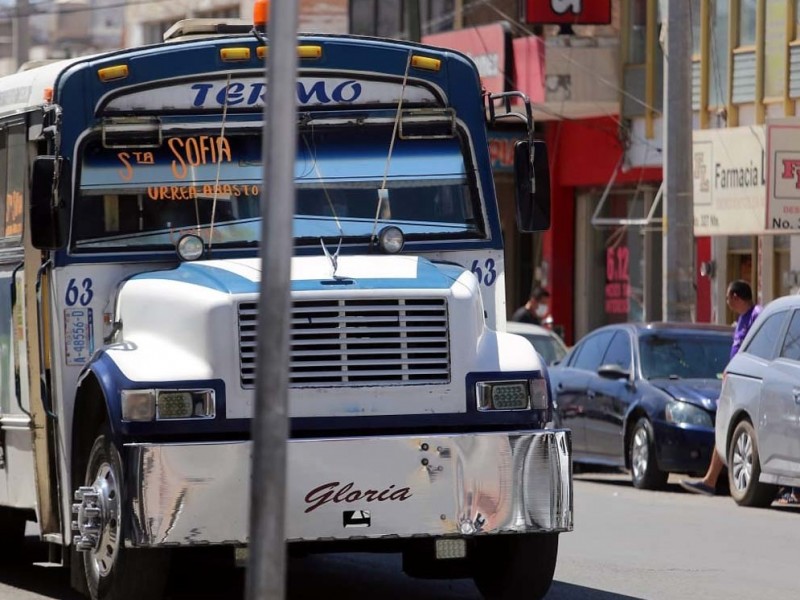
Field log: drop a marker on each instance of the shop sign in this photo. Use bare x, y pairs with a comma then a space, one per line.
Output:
729, 173
617, 280
574, 12
783, 179
501, 150
485, 45
529, 67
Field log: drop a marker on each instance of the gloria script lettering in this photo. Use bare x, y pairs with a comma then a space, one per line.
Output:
336, 492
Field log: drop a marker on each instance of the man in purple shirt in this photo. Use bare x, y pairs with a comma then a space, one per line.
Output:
740, 300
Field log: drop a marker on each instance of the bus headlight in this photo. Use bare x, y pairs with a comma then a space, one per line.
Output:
520, 394
166, 405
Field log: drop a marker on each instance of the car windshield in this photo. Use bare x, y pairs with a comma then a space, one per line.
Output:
147, 198
684, 356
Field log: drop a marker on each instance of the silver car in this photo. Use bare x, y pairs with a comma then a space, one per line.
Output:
544, 340
758, 417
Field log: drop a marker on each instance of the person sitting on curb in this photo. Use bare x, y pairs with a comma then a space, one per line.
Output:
740, 300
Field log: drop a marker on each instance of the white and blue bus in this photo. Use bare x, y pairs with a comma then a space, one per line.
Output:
130, 186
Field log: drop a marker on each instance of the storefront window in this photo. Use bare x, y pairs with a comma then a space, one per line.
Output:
623, 273
781, 284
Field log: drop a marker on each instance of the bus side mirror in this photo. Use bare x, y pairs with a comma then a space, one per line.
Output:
532, 186
46, 219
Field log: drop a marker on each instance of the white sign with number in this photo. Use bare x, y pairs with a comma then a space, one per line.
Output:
783, 168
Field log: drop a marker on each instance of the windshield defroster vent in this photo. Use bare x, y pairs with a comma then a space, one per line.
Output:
358, 342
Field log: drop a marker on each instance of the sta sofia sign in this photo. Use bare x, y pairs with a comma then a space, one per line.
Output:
573, 12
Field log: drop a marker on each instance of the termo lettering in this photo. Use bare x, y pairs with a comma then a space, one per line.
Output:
253, 94
336, 493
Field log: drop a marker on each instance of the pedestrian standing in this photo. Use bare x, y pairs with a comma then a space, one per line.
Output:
535, 309
740, 300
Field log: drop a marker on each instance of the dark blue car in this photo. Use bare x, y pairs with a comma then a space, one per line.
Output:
643, 397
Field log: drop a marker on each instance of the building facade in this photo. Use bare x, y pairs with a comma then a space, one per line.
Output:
595, 75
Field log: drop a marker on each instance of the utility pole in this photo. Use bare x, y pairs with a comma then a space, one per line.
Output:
266, 572
21, 33
679, 271
414, 20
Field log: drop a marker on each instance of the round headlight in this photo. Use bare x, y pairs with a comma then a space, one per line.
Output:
391, 239
190, 247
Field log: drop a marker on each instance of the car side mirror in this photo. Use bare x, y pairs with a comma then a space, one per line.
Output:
612, 371
532, 185
47, 221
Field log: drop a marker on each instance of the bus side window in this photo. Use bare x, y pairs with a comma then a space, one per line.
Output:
3, 178
15, 190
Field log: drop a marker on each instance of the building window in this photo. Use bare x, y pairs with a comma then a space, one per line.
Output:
637, 45
718, 86
387, 18
747, 22
797, 19
694, 16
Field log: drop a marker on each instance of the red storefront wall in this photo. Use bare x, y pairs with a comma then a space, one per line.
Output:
583, 153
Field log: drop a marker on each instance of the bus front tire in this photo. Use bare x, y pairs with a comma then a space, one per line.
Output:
112, 571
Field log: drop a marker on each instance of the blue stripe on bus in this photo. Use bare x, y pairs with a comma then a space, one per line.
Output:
428, 276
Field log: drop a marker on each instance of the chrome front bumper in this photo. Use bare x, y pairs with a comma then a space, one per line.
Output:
197, 494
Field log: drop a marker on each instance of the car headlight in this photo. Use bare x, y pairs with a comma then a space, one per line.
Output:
519, 394
167, 405
683, 413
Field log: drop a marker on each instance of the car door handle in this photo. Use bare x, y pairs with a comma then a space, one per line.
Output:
796, 394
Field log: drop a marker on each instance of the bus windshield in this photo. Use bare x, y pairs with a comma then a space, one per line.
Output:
147, 198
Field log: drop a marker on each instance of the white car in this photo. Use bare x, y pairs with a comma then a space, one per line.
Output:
758, 417
545, 341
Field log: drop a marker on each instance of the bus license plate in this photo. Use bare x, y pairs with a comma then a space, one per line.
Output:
78, 335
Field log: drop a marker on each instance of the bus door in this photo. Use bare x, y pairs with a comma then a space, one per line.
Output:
17, 488
29, 478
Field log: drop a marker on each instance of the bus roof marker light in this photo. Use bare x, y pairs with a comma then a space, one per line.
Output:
426, 62
309, 51
234, 54
114, 73
261, 52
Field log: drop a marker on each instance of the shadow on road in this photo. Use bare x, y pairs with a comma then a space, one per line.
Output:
45, 581
568, 591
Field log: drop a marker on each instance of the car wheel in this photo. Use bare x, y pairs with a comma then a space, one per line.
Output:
112, 571
744, 469
645, 473
514, 566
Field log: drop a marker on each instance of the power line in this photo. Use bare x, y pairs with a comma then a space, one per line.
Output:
33, 9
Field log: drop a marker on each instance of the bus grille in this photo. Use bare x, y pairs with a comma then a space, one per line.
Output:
357, 342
